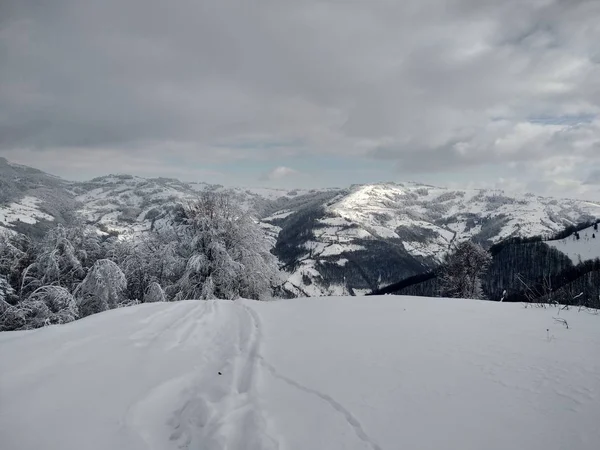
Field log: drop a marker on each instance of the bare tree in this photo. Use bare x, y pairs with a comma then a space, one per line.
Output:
539, 294
462, 271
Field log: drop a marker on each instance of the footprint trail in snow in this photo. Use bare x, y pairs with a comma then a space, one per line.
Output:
330, 373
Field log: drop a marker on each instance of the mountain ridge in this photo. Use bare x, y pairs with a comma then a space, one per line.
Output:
333, 241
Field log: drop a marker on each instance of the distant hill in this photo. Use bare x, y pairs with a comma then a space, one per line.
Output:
330, 241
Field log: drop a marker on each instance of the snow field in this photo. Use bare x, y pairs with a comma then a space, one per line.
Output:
25, 210
330, 373
579, 250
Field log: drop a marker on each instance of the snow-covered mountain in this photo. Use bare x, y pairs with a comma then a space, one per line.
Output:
330, 241
127, 204
383, 232
333, 373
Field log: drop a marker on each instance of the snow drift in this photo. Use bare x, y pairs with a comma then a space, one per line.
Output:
335, 373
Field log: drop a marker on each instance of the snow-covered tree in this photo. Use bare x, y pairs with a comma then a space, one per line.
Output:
148, 259
59, 300
208, 289
62, 258
462, 270
226, 252
135, 264
87, 243
6, 290
58, 260
101, 289
59, 305
154, 293
12, 317
17, 252
48, 305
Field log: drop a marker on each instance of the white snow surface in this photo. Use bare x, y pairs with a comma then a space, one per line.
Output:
335, 373
25, 210
579, 250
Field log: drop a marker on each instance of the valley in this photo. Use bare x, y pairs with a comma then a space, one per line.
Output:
329, 242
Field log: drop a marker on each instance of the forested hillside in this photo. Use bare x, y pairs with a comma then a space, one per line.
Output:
527, 270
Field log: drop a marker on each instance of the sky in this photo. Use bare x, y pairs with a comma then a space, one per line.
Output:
304, 93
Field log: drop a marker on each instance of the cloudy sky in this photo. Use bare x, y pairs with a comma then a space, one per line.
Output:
307, 93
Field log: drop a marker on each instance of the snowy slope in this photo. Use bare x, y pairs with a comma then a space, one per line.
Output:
586, 248
31, 197
423, 220
124, 203
337, 373
428, 219
127, 204
25, 210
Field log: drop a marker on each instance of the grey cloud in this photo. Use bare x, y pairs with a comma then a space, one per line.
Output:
429, 85
593, 177
522, 142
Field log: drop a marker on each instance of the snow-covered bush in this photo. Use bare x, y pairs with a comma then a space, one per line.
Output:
61, 304
126, 303
154, 293
36, 313
11, 317
48, 305
101, 289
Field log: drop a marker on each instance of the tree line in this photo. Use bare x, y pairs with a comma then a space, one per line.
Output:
459, 276
518, 270
207, 249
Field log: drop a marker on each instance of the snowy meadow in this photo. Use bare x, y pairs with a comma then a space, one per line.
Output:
326, 373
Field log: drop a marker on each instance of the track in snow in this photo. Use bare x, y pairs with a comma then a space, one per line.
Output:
337, 373
204, 409
337, 407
